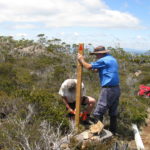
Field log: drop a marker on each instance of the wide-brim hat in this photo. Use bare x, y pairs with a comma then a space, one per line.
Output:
100, 50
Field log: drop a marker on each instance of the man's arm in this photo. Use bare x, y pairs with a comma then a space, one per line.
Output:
83, 62
67, 105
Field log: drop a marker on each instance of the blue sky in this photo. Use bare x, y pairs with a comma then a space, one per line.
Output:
123, 23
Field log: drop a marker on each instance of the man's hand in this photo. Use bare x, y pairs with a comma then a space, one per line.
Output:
83, 62
80, 58
72, 111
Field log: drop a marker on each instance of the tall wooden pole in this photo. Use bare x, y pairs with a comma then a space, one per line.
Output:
78, 87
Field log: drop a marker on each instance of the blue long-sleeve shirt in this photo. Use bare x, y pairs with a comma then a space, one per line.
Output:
108, 70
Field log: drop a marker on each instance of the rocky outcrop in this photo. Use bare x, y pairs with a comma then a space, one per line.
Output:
35, 49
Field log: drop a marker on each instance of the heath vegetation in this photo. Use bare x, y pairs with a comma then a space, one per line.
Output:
32, 114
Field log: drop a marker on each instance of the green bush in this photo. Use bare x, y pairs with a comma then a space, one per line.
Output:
132, 111
49, 106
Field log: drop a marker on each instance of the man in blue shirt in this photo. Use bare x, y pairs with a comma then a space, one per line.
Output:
107, 67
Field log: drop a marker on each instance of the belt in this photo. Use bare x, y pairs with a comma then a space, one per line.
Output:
110, 86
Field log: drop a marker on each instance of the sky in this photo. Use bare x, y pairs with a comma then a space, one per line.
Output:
115, 23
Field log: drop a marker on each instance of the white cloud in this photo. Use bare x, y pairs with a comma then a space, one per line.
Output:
76, 33
64, 13
62, 33
142, 38
24, 26
21, 35
139, 37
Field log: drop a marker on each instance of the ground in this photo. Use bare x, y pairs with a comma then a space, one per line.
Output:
145, 134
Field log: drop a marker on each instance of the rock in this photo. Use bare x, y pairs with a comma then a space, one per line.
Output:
87, 135
96, 128
138, 73
84, 135
64, 146
95, 133
33, 49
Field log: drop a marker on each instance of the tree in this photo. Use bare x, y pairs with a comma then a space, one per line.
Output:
42, 39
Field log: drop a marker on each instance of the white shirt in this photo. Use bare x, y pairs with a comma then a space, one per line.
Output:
71, 96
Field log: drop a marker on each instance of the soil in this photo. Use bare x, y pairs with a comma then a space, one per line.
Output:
145, 135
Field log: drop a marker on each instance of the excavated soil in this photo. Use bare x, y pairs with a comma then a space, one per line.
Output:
145, 135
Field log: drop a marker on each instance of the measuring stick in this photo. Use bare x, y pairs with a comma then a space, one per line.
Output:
78, 87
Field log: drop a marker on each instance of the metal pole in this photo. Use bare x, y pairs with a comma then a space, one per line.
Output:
138, 140
78, 86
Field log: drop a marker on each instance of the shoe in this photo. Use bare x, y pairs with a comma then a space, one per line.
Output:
95, 119
88, 121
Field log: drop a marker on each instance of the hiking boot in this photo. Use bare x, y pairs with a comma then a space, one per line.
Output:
95, 119
86, 122
90, 120
113, 125
98, 118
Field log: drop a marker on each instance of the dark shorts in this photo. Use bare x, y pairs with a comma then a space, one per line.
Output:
108, 100
73, 105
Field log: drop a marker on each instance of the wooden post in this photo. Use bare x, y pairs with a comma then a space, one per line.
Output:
78, 87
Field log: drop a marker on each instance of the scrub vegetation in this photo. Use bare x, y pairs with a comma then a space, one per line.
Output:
32, 114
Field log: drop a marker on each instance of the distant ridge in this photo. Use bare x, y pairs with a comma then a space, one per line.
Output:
136, 51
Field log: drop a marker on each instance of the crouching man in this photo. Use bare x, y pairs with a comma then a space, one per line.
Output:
68, 93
